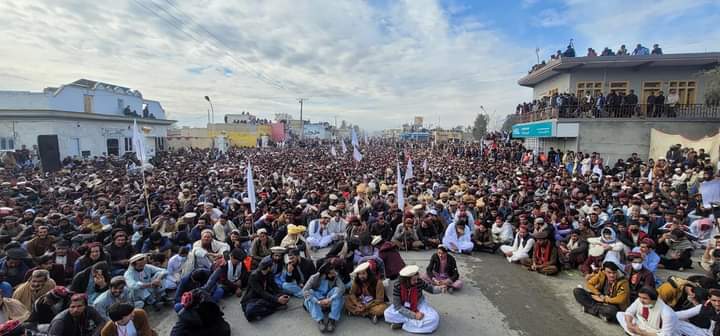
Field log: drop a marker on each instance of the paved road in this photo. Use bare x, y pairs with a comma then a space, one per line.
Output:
498, 299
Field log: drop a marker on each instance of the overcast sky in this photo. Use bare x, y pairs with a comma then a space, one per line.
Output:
370, 62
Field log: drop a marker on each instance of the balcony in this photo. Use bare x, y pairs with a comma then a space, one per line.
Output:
684, 112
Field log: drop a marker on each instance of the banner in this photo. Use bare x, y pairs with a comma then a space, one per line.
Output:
710, 193
138, 144
277, 132
660, 143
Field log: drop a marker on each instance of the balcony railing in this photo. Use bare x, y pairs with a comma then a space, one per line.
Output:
639, 111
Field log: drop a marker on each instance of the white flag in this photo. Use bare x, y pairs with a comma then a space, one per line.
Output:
251, 187
367, 141
356, 154
354, 139
409, 170
333, 151
598, 170
343, 147
425, 165
138, 144
400, 197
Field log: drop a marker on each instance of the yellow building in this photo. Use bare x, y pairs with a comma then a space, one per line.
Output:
447, 135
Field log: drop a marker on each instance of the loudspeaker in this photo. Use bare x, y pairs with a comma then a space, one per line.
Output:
49, 151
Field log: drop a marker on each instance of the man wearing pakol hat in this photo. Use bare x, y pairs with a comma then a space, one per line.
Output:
442, 270
260, 247
324, 296
367, 294
15, 265
277, 255
544, 259
521, 246
409, 310
263, 296
605, 293
318, 234
147, 282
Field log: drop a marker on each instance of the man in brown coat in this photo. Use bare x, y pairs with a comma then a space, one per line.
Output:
124, 318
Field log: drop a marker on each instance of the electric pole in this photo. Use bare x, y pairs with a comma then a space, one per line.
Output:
302, 124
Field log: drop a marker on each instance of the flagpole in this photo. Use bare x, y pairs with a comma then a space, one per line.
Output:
147, 198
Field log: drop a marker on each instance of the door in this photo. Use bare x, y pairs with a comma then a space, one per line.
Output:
49, 151
88, 103
649, 89
113, 147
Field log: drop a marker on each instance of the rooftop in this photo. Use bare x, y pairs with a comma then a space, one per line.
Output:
568, 64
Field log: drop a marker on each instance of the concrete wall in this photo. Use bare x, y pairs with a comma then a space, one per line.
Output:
74, 137
560, 82
615, 139
636, 78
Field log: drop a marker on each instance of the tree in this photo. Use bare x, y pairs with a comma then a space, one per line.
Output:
510, 120
480, 126
712, 86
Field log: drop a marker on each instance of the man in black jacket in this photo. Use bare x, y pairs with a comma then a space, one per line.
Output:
263, 297
630, 103
297, 271
442, 270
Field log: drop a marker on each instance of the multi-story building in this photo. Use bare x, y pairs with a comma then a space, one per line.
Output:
576, 121
84, 118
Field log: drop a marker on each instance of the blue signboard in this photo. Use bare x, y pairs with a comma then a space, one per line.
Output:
542, 129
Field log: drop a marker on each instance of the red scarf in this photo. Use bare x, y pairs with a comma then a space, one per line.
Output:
542, 252
410, 295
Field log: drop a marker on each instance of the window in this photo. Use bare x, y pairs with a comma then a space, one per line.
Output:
619, 87
685, 89
160, 143
594, 88
113, 148
7, 143
128, 145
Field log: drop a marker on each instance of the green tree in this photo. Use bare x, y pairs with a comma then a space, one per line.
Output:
480, 126
507, 125
712, 86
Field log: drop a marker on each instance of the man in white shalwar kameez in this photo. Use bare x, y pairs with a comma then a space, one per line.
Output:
457, 238
147, 282
648, 315
705, 314
318, 234
521, 247
409, 310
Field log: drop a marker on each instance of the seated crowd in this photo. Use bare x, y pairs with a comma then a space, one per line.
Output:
84, 251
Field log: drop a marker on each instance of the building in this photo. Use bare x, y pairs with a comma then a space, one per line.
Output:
83, 118
441, 135
619, 130
240, 130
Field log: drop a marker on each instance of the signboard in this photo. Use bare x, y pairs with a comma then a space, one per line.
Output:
542, 129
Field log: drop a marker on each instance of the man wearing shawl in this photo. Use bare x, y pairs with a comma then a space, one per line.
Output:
147, 282
39, 284
648, 315
409, 310
204, 253
544, 259
367, 294
457, 238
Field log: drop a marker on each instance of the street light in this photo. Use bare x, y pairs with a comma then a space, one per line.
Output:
210, 122
211, 108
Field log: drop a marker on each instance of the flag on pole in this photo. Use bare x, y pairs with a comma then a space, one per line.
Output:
138, 143
399, 195
333, 151
409, 170
251, 187
367, 141
356, 154
343, 147
425, 165
354, 139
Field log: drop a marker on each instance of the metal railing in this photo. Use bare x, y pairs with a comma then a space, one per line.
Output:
638, 111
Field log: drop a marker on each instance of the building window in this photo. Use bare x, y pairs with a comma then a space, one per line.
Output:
594, 88
685, 90
7, 143
160, 143
128, 145
619, 87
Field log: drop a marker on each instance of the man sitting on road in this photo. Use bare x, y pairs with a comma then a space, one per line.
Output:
263, 296
324, 294
648, 315
544, 259
409, 310
520, 248
367, 294
442, 270
607, 293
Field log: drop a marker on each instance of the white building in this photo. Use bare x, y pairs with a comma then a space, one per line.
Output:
83, 118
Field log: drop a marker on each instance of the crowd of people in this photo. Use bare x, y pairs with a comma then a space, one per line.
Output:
639, 50
97, 247
616, 104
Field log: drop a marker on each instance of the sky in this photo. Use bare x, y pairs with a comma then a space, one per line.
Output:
374, 63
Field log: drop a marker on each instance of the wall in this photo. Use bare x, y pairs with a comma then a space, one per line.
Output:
92, 135
616, 139
560, 82
13, 100
636, 78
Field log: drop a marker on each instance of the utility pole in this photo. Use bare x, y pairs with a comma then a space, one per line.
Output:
302, 124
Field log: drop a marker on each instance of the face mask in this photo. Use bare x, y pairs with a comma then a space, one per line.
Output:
637, 266
650, 306
635, 230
